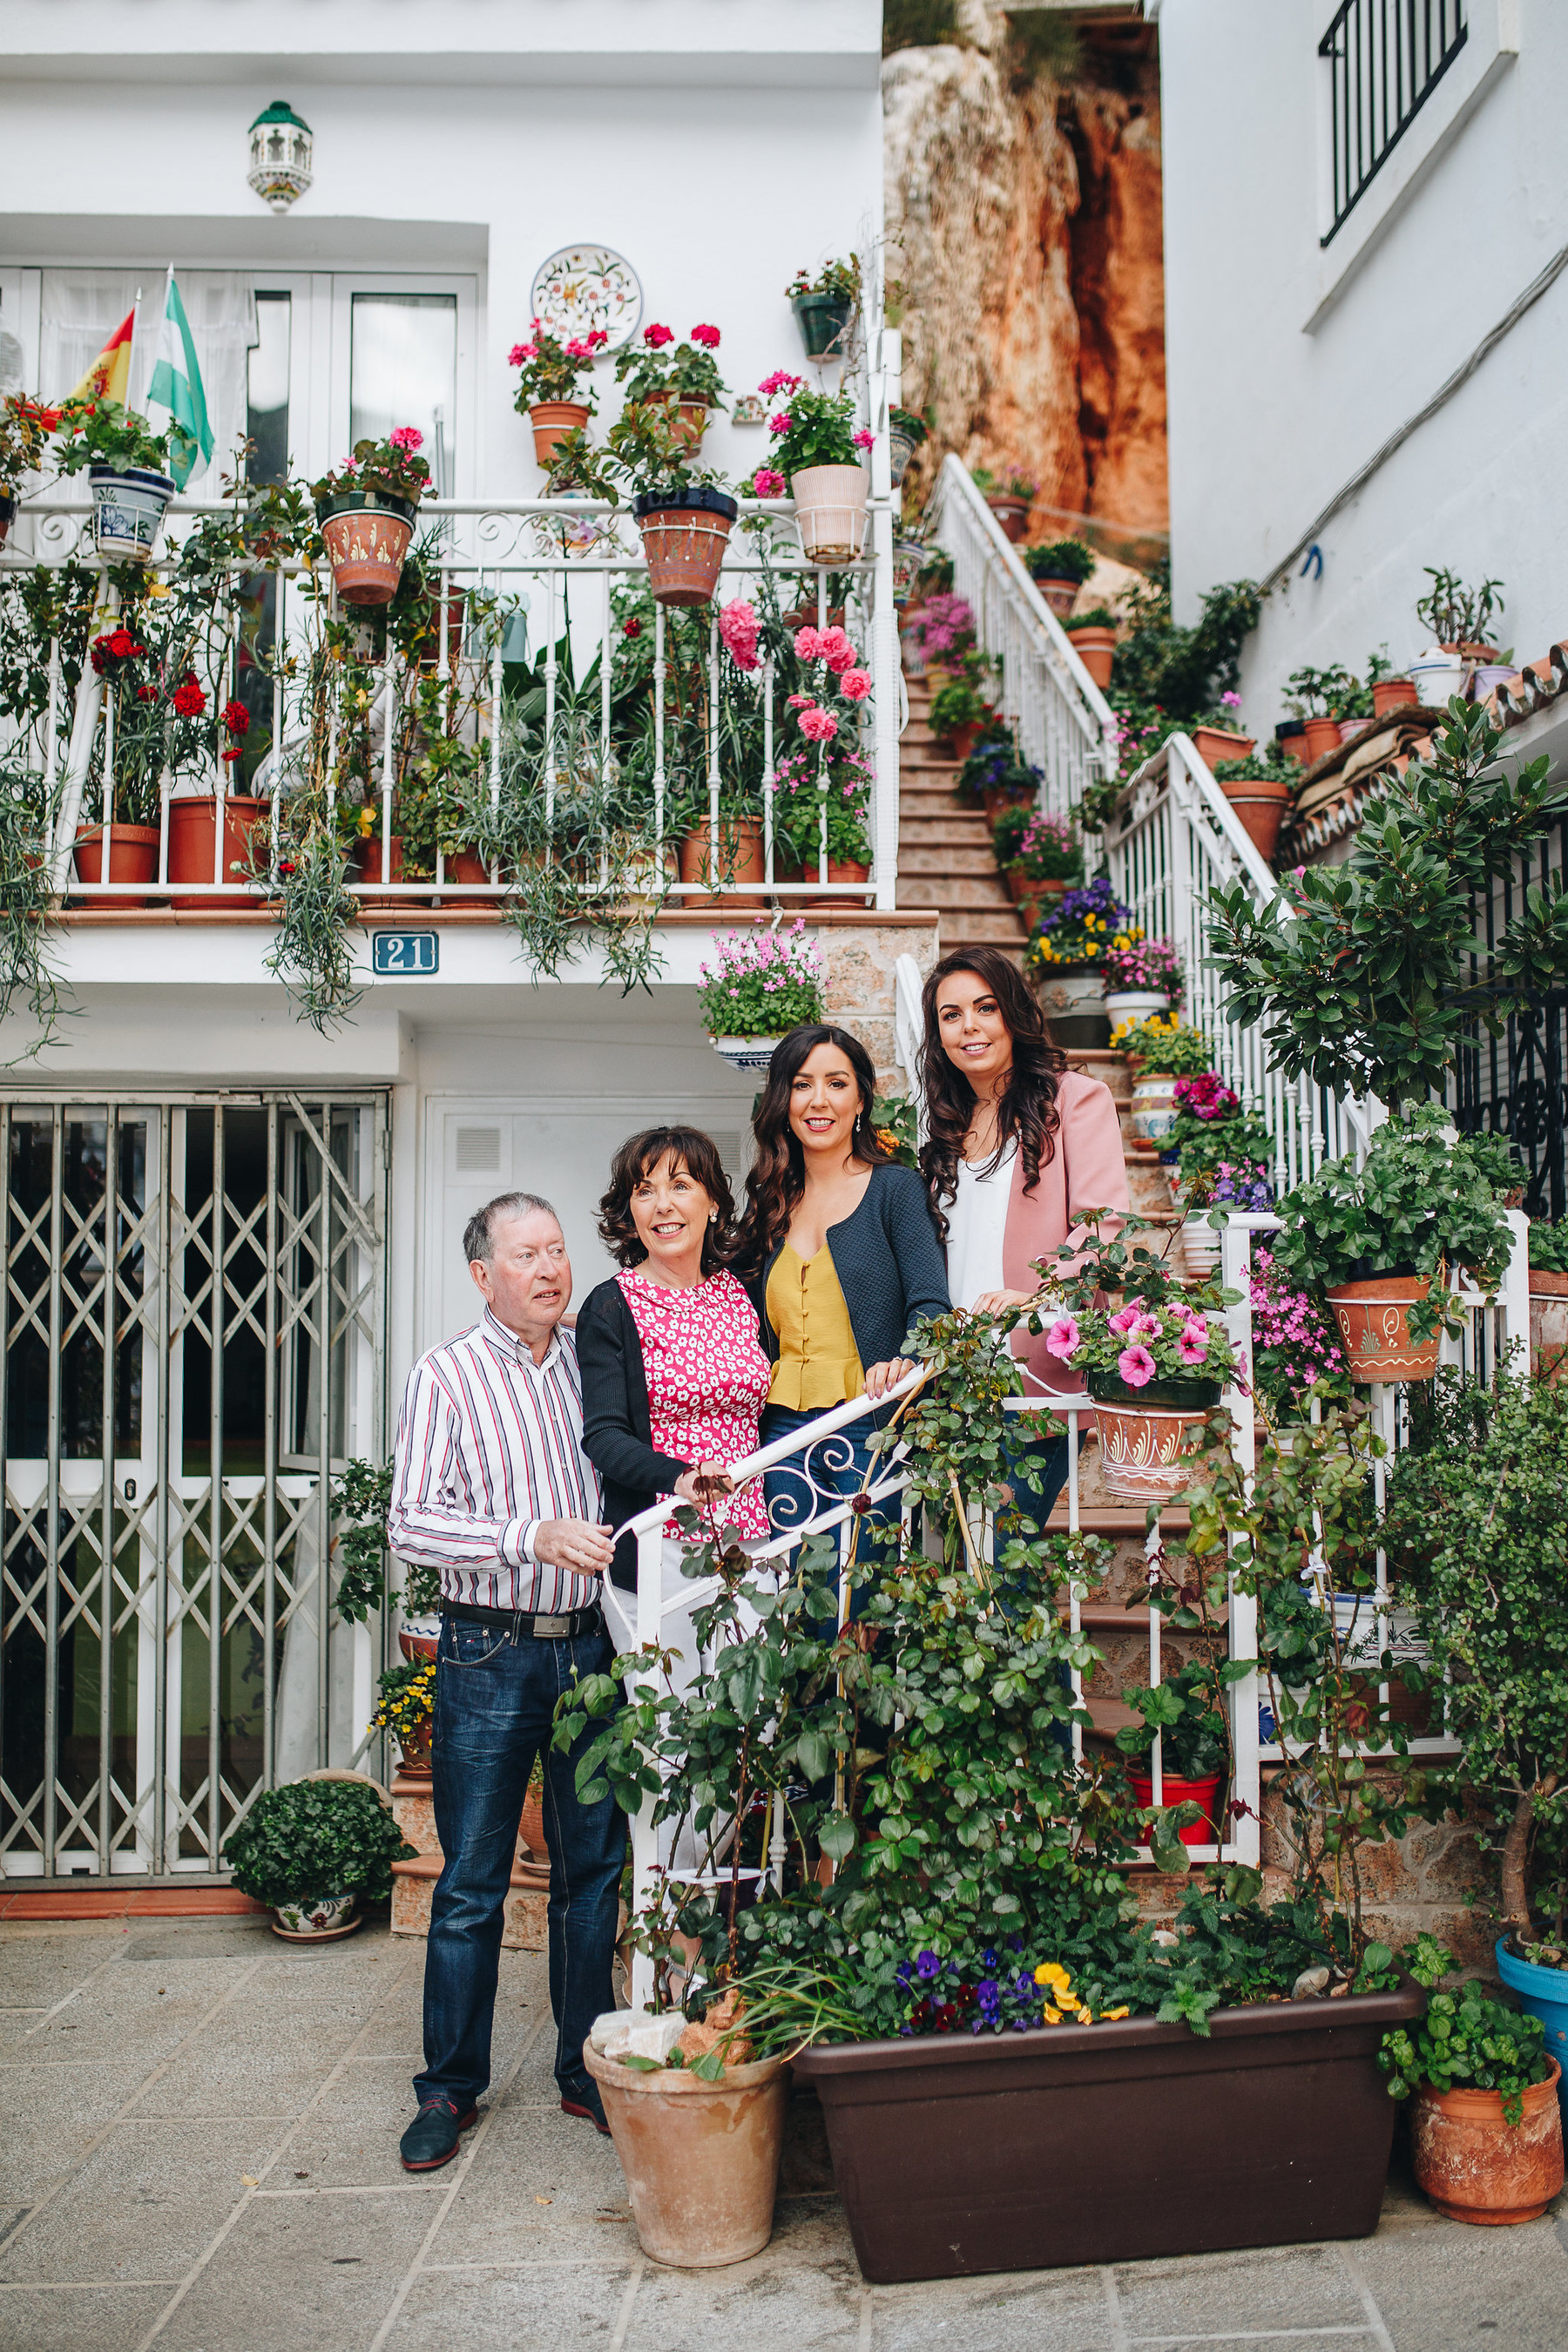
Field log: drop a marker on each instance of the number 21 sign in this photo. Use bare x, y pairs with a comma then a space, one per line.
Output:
406, 954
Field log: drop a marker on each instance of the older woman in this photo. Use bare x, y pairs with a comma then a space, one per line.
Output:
1020, 1152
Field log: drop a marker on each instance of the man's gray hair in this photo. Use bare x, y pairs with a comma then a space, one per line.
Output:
478, 1233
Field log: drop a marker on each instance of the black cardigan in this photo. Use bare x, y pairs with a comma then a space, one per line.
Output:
617, 1432
889, 1264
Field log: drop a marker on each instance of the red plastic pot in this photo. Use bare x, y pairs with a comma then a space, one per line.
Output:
1177, 1791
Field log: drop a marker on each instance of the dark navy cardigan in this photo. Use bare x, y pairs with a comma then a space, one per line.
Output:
889, 1264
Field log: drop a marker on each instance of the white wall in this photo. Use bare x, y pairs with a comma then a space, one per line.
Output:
1286, 374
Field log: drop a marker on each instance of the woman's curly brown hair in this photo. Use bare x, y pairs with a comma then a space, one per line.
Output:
637, 1158
1028, 1109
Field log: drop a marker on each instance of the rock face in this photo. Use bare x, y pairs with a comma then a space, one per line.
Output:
1023, 222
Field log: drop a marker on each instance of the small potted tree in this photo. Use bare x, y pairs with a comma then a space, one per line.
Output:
547, 384
825, 307
1059, 568
818, 446
313, 1851
684, 381
366, 509
760, 984
682, 511
126, 464
25, 427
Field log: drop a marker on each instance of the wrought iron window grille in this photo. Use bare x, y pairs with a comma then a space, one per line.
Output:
1386, 58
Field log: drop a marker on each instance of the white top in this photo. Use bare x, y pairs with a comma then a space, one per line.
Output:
975, 1224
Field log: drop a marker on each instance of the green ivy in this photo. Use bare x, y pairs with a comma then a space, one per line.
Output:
314, 1839
1467, 2041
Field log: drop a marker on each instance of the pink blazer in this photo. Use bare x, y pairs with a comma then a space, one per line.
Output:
1086, 1172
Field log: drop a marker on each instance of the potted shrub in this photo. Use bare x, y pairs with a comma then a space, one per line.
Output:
760, 984
906, 434
1219, 737
314, 1849
547, 384
1260, 792
1064, 961
365, 509
959, 714
1093, 637
25, 427
1315, 695
1040, 854
685, 383
405, 1706
825, 306
1486, 2136
1160, 1049
819, 443
1058, 569
1155, 1367
1379, 1240
1141, 979
126, 464
155, 723
1009, 495
1548, 1300
682, 509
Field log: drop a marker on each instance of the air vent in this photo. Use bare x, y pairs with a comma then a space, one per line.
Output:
479, 1150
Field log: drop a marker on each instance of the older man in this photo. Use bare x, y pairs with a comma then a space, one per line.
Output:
492, 1487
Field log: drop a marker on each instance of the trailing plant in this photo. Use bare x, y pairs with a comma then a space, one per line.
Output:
314, 1839
1082, 927
1295, 1350
1366, 977
26, 428
1060, 558
1422, 1202
549, 369
361, 1494
689, 372
1456, 614
1467, 2041
811, 427
761, 982
839, 279
29, 811
1164, 1043
1167, 675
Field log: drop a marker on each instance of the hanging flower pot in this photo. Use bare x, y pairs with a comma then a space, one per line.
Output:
1174, 1790
1013, 514
738, 860
8, 514
1373, 1319
193, 846
367, 534
552, 421
744, 1053
684, 535
909, 556
903, 442
1096, 648
126, 510
687, 419
1214, 744
1059, 590
824, 323
1474, 2164
1261, 802
830, 511
1148, 1436
116, 853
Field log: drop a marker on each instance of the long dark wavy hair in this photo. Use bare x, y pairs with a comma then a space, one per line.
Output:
1028, 1109
777, 1179
636, 1158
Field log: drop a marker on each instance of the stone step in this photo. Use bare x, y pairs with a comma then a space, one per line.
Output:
969, 925
919, 856
968, 891
916, 789
954, 824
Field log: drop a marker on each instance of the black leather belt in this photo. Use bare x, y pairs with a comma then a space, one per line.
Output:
528, 1625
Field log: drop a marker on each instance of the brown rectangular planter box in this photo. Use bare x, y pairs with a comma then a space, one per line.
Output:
1111, 2143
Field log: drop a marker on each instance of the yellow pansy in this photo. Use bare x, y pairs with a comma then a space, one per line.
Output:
1052, 2016
1052, 1972
366, 822
1109, 2016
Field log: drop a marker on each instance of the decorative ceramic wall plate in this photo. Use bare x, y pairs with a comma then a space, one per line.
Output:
585, 286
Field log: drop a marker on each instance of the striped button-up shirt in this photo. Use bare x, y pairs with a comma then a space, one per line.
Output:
490, 1444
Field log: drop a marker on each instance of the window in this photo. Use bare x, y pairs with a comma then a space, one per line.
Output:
267, 388
1386, 58
403, 370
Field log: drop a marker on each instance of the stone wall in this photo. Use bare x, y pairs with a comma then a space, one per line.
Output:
860, 955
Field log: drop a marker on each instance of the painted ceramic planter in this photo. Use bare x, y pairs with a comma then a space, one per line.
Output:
909, 556
1548, 1326
1543, 1993
417, 1636
1059, 594
1477, 2167
414, 1749
824, 323
1373, 1321
367, 535
326, 1915
1072, 998
127, 509
552, 421
701, 2159
830, 511
1148, 1436
119, 853
744, 1053
901, 447
1153, 1106
684, 540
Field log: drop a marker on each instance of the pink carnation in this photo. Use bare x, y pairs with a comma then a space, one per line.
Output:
656, 337
862, 440
767, 484
855, 685
1136, 1366
406, 437
835, 648
739, 623
820, 725
707, 336
1062, 1338
798, 702
1121, 1324
808, 645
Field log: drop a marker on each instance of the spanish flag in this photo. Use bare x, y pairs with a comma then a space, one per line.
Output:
109, 377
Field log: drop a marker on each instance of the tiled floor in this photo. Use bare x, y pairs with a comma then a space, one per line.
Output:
199, 2154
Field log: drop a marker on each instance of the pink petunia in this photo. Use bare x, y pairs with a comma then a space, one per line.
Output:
855, 685
656, 337
1062, 1338
1121, 1324
1194, 1344
707, 336
1136, 1366
808, 645
767, 484
820, 725
1147, 1326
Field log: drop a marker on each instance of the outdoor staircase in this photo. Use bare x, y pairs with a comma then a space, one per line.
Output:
945, 859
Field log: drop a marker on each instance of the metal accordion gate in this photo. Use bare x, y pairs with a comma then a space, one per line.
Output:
191, 1343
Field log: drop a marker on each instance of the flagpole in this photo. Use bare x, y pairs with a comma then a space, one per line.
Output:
131, 362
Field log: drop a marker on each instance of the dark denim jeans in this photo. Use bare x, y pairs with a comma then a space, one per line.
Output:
494, 1701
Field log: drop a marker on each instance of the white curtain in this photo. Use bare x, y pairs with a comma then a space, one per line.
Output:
81, 309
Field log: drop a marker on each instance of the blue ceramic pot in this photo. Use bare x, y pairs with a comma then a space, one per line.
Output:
1543, 1993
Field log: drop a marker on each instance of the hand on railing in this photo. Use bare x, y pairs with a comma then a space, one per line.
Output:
880, 1377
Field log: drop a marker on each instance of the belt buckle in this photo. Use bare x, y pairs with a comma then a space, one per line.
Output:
551, 1629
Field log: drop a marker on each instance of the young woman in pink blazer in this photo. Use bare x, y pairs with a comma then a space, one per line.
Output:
1020, 1152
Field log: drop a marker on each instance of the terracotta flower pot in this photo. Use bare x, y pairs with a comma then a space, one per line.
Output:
839, 869
740, 859
1060, 594
962, 740
466, 866
530, 1828
701, 2159
132, 857
1096, 648
1548, 1326
1373, 1321
193, 830
1391, 694
1477, 2167
552, 421
367, 537
413, 1747
684, 540
1214, 744
1261, 803
688, 420
367, 869
1013, 514
1177, 1791
1034, 900
1322, 735
830, 511
1147, 1436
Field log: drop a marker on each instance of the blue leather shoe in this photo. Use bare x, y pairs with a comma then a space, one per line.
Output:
432, 2138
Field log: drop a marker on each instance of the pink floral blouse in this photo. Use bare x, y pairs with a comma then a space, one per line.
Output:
708, 1380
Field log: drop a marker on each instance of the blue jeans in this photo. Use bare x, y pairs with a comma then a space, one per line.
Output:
494, 1702
1036, 1471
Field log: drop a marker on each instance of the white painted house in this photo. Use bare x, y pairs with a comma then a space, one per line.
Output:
185, 1120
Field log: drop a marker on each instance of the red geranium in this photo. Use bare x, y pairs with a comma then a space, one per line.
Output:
656, 337
707, 336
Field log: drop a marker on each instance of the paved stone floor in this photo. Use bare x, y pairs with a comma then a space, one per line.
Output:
199, 2153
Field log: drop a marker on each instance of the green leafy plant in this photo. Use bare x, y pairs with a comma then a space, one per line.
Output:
1060, 558
652, 370
1468, 2042
1255, 768
1188, 1713
815, 428
391, 467
314, 1839
895, 1119
28, 814
362, 1494
549, 369
1367, 976
1319, 693
959, 704
646, 449
1157, 1336
1162, 1041
1099, 616
840, 279
1456, 614
26, 429
104, 433
904, 420
1548, 1247
1420, 1203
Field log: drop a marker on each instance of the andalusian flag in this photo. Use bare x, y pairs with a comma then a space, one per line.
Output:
176, 385
109, 377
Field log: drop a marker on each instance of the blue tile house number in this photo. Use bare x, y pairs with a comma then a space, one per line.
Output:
406, 954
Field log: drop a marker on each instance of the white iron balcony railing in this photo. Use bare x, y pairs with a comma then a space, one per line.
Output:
1064, 725
553, 569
